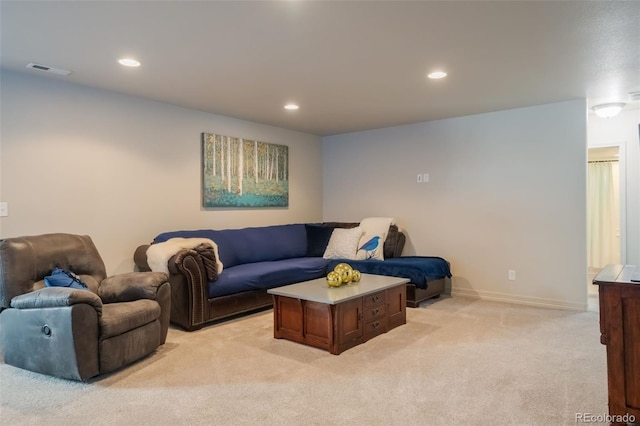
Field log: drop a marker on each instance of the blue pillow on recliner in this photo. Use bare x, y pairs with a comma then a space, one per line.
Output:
62, 278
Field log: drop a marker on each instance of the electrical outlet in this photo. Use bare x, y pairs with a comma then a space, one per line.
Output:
425, 177
4, 209
512, 275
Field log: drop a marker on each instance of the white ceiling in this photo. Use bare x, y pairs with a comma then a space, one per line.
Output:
351, 65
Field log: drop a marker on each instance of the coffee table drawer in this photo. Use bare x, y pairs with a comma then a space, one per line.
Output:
376, 311
375, 327
374, 298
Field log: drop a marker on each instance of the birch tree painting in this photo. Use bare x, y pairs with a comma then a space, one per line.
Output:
244, 173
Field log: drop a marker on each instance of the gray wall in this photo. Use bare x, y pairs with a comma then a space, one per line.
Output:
123, 169
507, 191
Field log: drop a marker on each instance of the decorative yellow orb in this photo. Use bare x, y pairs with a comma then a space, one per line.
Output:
347, 275
343, 265
339, 270
356, 276
334, 279
345, 271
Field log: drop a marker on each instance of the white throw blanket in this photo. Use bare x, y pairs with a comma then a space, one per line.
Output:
158, 254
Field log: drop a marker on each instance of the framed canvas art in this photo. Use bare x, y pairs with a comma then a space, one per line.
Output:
243, 173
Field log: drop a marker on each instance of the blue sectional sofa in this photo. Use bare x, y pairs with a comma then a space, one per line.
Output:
256, 259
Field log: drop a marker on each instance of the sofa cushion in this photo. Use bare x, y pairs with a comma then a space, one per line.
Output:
374, 234
317, 239
266, 275
343, 243
250, 245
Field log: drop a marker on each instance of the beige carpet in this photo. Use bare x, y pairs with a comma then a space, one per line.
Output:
456, 361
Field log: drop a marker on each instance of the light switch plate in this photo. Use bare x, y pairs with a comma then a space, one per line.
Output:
419, 179
4, 209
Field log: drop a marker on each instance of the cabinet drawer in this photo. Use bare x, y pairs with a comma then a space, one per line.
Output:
377, 311
374, 298
375, 327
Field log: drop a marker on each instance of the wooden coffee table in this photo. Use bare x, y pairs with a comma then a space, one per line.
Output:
338, 318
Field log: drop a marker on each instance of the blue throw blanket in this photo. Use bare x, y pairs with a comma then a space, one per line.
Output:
420, 270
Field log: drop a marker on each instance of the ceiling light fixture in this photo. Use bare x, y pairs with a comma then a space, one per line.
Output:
437, 75
128, 62
608, 110
291, 107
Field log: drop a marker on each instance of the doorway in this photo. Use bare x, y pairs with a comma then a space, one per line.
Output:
604, 244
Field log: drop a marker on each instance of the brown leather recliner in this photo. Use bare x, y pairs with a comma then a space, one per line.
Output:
76, 333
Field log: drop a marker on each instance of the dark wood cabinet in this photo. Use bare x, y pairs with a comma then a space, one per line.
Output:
620, 332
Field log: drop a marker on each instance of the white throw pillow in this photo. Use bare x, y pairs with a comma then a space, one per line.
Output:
343, 243
374, 233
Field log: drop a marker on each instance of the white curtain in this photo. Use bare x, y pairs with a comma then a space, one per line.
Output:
603, 214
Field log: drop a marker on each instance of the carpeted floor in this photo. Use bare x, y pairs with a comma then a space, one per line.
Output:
456, 361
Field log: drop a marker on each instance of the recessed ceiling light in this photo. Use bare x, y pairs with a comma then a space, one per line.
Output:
128, 62
437, 74
291, 106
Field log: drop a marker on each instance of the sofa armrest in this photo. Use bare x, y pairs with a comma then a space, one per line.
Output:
189, 290
190, 271
56, 297
189, 286
140, 258
131, 286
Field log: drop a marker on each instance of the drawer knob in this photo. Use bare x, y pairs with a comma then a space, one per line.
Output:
375, 324
375, 298
375, 311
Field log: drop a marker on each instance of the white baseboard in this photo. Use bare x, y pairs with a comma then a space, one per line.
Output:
520, 300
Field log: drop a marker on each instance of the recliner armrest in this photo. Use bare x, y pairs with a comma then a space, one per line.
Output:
56, 297
131, 286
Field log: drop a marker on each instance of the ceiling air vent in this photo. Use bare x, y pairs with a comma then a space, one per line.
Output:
52, 70
634, 96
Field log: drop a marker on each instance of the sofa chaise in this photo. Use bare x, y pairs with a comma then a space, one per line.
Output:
255, 259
